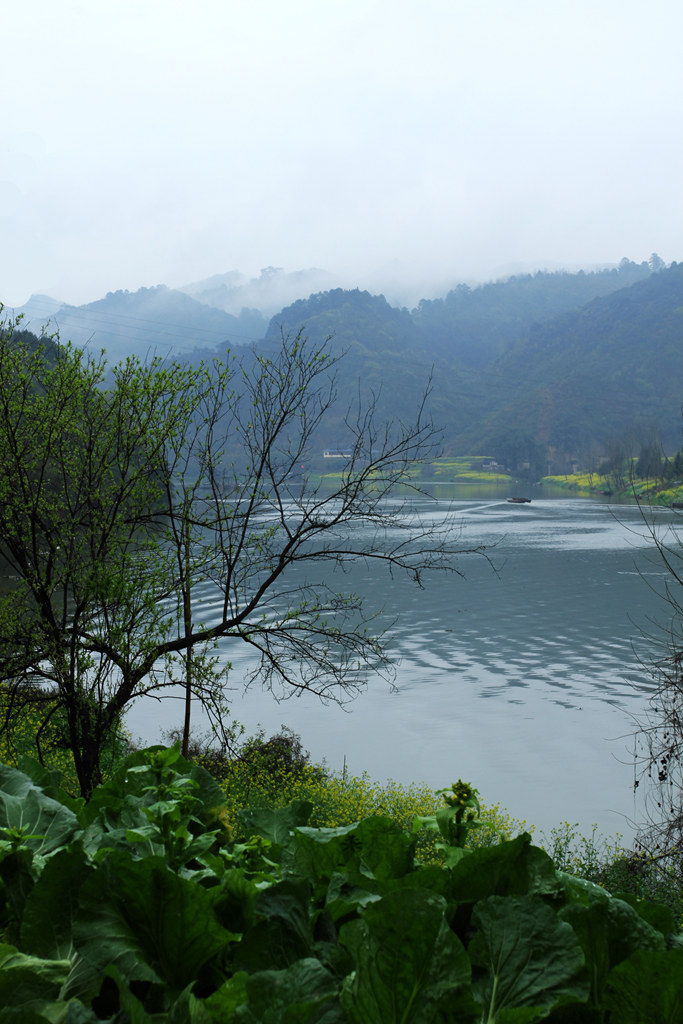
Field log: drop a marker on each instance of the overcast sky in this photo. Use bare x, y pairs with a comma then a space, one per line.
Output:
162, 141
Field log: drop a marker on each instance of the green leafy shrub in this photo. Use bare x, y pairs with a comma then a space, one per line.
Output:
141, 906
33, 725
27, 729
340, 799
608, 863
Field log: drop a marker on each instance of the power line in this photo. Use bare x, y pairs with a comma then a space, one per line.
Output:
75, 315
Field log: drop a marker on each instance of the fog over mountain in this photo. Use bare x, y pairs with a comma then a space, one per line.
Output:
268, 293
411, 146
538, 370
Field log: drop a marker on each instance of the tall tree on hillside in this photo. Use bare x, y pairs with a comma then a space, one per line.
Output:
118, 501
650, 461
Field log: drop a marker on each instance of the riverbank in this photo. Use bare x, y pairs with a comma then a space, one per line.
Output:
483, 471
591, 484
466, 469
272, 774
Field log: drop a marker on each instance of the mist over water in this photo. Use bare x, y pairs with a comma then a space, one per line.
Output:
524, 678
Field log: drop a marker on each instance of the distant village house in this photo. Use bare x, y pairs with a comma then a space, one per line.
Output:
337, 453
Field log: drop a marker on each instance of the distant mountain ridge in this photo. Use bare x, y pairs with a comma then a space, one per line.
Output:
475, 325
539, 370
567, 378
151, 321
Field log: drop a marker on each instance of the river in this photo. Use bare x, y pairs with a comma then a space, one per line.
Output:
524, 680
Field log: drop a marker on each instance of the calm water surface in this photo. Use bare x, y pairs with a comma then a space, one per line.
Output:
524, 680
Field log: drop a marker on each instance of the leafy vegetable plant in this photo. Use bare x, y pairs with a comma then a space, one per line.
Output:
140, 907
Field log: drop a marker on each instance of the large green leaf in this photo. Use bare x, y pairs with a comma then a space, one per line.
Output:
317, 853
409, 966
425, 876
233, 900
275, 823
26, 980
656, 914
184, 1008
647, 989
42, 1011
579, 889
149, 922
15, 782
386, 849
51, 908
283, 932
347, 893
24, 807
514, 868
376, 848
50, 781
352, 889
299, 994
609, 930
225, 1000
528, 958
17, 875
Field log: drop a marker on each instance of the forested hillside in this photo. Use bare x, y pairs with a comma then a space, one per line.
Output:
384, 353
512, 378
537, 371
473, 326
610, 371
151, 321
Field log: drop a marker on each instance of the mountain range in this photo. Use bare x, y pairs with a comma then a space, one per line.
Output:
540, 370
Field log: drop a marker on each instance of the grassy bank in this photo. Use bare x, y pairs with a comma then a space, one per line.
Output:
465, 469
636, 490
468, 469
479, 469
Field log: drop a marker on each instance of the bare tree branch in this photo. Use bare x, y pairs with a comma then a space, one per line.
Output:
117, 503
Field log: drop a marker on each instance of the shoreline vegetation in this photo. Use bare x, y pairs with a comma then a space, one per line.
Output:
638, 489
267, 775
158, 901
626, 485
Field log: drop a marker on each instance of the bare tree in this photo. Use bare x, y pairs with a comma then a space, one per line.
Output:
172, 477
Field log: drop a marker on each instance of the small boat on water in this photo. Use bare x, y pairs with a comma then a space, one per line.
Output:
519, 501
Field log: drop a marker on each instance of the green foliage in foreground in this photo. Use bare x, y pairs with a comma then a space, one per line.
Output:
609, 864
265, 780
32, 724
142, 907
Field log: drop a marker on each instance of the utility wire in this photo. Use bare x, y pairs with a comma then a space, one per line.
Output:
75, 315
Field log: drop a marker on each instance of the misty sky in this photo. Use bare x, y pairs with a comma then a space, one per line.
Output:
153, 142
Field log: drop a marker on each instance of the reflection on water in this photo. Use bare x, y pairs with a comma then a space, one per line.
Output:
521, 678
